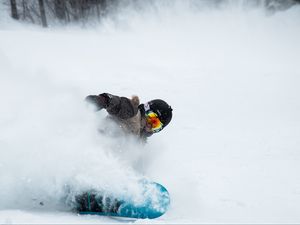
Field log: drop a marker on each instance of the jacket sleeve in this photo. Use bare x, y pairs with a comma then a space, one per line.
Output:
121, 107
99, 101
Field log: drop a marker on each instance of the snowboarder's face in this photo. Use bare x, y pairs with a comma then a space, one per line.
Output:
148, 127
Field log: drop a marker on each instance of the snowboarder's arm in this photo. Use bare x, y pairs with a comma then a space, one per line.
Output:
120, 107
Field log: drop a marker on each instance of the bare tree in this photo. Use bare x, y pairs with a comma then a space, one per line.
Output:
14, 10
42, 12
26, 14
60, 9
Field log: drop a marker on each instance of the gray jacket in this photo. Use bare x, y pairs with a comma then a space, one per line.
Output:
129, 114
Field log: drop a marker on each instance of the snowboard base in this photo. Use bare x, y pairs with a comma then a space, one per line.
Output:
155, 203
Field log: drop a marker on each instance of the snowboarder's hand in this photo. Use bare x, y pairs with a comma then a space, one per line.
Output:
105, 98
100, 101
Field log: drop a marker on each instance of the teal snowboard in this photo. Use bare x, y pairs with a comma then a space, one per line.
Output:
154, 203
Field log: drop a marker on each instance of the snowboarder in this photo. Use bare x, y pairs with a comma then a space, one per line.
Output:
142, 120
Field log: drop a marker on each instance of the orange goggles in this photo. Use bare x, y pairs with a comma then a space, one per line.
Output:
154, 121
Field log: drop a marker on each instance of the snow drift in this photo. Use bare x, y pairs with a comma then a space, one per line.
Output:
231, 75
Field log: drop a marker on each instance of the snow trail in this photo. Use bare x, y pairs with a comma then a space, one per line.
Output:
230, 154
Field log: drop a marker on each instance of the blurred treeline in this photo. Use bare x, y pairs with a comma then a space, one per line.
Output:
47, 12
62, 11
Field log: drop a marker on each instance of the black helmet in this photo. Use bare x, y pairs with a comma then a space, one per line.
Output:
161, 108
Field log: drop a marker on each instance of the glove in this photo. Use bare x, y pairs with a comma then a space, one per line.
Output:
100, 101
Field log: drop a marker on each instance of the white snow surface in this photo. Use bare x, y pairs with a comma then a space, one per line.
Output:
231, 152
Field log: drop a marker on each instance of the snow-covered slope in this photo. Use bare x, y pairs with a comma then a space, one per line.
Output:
231, 152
